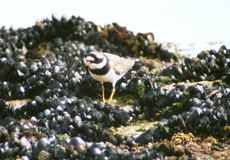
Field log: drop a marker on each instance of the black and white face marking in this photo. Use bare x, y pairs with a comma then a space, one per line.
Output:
96, 61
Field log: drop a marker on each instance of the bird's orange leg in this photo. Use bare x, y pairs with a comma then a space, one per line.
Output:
111, 96
103, 92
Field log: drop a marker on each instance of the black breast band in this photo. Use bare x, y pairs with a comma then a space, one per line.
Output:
101, 71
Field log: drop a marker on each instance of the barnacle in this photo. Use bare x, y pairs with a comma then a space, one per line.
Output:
211, 140
226, 128
180, 138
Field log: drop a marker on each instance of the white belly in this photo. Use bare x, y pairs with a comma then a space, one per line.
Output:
111, 77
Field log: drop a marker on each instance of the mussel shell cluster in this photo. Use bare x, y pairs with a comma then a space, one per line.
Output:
43, 67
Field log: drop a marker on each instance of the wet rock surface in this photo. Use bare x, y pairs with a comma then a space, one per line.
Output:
49, 106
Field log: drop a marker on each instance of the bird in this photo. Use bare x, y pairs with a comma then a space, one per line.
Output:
107, 67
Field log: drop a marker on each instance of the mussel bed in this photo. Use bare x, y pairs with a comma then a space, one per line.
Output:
47, 98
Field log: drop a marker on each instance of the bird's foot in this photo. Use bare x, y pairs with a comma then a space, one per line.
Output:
106, 102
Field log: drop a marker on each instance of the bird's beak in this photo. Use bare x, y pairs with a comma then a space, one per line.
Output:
88, 63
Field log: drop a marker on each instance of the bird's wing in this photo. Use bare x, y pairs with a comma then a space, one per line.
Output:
120, 65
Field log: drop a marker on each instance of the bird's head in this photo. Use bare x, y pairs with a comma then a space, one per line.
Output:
96, 60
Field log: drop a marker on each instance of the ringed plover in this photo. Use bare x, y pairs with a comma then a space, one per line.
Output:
106, 67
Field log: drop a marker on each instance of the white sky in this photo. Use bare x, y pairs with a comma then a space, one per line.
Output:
178, 21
